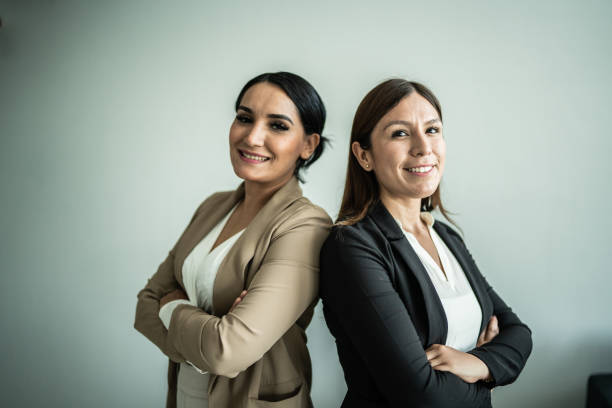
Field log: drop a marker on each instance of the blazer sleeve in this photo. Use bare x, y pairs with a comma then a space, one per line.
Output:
507, 353
282, 288
357, 290
147, 319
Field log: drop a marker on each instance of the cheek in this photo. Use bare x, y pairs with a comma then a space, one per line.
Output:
440, 152
234, 134
389, 161
285, 148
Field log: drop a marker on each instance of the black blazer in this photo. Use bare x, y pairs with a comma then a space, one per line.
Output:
384, 311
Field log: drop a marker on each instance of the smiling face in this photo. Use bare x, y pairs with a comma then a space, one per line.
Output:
267, 136
407, 150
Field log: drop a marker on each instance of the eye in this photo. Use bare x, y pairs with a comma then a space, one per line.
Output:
279, 126
243, 119
399, 133
433, 130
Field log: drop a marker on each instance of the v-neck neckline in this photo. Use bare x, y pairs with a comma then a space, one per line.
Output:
220, 227
442, 272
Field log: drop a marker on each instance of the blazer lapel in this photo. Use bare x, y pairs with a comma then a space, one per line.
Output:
437, 324
232, 276
468, 268
209, 216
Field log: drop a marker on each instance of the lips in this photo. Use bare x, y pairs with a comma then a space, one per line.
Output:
421, 169
252, 157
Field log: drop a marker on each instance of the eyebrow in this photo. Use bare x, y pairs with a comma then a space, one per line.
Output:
407, 123
270, 115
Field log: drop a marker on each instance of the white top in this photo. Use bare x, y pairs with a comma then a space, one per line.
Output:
462, 309
200, 270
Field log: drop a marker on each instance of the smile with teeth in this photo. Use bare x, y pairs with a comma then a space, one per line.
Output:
253, 157
424, 169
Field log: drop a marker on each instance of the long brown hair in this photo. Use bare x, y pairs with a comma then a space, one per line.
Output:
361, 188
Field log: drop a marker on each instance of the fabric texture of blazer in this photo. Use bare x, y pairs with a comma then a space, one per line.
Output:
383, 310
257, 353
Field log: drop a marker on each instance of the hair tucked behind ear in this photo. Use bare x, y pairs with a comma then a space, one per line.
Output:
308, 103
361, 187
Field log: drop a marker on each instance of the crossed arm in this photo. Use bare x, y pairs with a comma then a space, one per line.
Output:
357, 291
464, 365
283, 287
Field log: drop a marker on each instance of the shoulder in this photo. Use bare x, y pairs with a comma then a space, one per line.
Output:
354, 256
215, 199
303, 207
363, 231
451, 233
302, 212
448, 229
362, 237
295, 232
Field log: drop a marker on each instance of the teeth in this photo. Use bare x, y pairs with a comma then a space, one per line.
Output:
250, 156
420, 169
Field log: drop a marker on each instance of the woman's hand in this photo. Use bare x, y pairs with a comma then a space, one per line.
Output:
238, 300
489, 333
174, 295
465, 366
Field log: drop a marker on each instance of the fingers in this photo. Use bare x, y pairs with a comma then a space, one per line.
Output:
481, 338
238, 300
437, 357
440, 366
489, 333
433, 351
439, 363
492, 329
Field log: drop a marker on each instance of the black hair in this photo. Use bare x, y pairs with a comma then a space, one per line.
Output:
309, 106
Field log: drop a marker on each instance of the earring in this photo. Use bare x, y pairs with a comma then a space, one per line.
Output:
367, 166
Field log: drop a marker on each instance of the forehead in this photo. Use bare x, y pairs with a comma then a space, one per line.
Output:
412, 108
265, 98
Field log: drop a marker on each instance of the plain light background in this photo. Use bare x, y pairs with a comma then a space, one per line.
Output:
114, 120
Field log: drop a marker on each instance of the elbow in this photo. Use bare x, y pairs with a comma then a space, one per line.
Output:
143, 327
137, 325
228, 359
144, 318
225, 367
529, 342
525, 348
139, 321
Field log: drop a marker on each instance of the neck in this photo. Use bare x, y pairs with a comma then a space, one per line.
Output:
406, 210
256, 195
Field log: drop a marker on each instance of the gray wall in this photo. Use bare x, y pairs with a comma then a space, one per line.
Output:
114, 119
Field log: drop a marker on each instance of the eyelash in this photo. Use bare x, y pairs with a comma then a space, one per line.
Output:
398, 133
243, 119
278, 126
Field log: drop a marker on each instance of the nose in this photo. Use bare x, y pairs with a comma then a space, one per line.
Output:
256, 136
419, 144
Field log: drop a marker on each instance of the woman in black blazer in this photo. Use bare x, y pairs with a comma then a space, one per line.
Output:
381, 300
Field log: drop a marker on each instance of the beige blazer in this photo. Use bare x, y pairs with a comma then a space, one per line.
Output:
256, 354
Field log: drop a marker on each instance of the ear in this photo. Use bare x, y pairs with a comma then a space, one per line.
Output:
312, 141
363, 156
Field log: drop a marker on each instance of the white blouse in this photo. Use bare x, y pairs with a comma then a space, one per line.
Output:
462, 309
199, 272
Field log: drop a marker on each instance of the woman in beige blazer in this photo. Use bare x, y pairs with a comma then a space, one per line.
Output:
239, 337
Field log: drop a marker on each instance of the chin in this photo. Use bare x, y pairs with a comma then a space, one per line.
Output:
422, 193
247, 175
